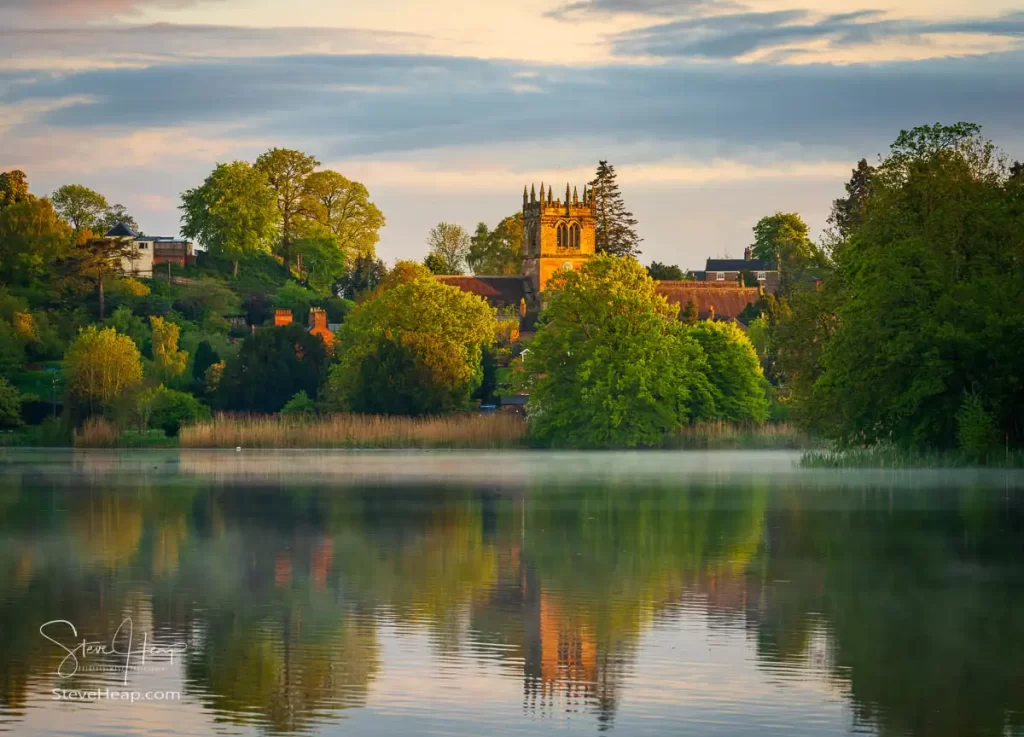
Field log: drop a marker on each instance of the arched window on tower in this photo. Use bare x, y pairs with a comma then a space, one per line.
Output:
574, 236
562, 235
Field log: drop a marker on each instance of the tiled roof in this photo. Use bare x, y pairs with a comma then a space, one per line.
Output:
507, 289
727, 301
738, 264
121, 231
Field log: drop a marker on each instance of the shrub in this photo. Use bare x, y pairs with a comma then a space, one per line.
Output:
738, 383
10, 405
976, 430
300, 405
172, 409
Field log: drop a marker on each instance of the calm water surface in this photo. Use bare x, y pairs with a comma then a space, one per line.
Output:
505, 594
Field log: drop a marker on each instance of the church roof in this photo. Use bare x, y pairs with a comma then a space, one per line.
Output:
507, 289
121, 231
727, 301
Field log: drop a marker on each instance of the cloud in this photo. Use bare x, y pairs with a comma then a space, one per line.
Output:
735, 35
81, 9
667, 8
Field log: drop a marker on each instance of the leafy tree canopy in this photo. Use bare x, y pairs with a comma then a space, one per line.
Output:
497, 252
665, 272
344, 208
737, 381
101, 365
449, 247
80, 206
32, 238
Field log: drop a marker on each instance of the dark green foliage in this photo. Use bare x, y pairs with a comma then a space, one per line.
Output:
616, 226
976, 431
665, 272
848, 212
297, 299
747, 278
10, 405
398, 379
173, 409
338, 309
272, 366
749, 313
300, 405
205, 356
364, 276
487, 391
12, 350
258, 308
690, 315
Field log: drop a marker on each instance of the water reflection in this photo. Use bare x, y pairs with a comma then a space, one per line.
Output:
692, 602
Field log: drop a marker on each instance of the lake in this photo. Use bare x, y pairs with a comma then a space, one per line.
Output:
515, 593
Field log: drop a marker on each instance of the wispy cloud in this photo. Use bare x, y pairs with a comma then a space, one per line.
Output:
81, 9
664, 8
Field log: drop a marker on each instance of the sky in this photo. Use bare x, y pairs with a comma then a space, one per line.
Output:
713, 112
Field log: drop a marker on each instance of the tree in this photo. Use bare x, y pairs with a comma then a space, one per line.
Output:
663, 272
170, 362
737, 381
344, 208
403, 272
114, 215
205, 357
300, 406
422, 334
1017, 171
449, 247
93, 259
611, 365
500, 251
171, 409
10, 406
920, 317
615, 226
80, 206
32, 238
273, 365
781, 238
286, 171
232, 214
99, 366
13, 188
848, 212
322, 260
364, 276
690, 314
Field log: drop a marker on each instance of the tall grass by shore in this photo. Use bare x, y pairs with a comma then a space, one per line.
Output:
722, 435
891, 456
498, 430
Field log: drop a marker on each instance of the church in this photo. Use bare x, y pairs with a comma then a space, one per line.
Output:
561, 234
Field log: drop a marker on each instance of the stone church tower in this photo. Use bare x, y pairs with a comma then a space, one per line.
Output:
556, 234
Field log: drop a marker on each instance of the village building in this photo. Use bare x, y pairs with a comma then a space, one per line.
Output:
318, 324
728, 270
145, 253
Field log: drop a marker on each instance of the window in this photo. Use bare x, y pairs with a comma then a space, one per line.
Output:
574, 235
562, 235
720, 276
143, 246
760, 276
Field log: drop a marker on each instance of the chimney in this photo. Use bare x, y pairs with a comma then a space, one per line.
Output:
282, 317
317, 318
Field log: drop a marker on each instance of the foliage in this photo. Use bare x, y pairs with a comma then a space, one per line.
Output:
848, 212
32, 237
80, 206
922, 298
205, 356
615, 226
100, 365
272, 366
13, 188
323, 261
690, 315
114, 215
364, 276
344, 208
497, 252
125, 322
12, 350
449, 247
171, 409
611, 365
286, 172
403, 272
299, 405
204, 298
232, 213
664, 272
975, 426
427, 335
297, 299
737, 381
10, 405
757, 331
132, 287
170, 362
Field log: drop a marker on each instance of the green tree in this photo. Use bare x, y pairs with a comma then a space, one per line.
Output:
171, 409
690, 315
737, 381
13, 188
344, 208
205, 357
271, 367
99, 366
922, 296
12, 350
782, 238
432, 332
449, 247
323, 262
93, 259
80, 206
286, 171
611, 365
114, 215
403, 272
232, 214
848, 212
10, 406
297, 299
615, 226
300, 405
664, 272
170, 362
32, 238
497, 252
363, 277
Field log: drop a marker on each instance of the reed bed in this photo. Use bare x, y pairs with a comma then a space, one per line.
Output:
723, 435
498, 430
97, 432
891, 456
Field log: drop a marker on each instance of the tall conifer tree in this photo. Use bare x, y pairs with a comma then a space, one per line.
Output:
616, 226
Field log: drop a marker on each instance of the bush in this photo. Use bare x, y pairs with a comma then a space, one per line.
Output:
738, 383
169, 409
300, 405
10, 405
976, 427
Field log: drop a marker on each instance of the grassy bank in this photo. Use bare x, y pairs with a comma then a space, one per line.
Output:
719, 435
496, 430
889, 456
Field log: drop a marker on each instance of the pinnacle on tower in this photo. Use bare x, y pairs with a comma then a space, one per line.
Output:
525, 200
584, 194
567, 193
575, 197
533, 193
542, 192
549, 194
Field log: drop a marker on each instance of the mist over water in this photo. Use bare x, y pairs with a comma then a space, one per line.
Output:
388, 593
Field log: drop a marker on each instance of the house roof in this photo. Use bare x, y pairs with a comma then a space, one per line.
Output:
507, 289
121, 231
727, 301
739, 264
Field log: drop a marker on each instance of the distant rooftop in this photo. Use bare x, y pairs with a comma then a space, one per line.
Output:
739, 264
121, 231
